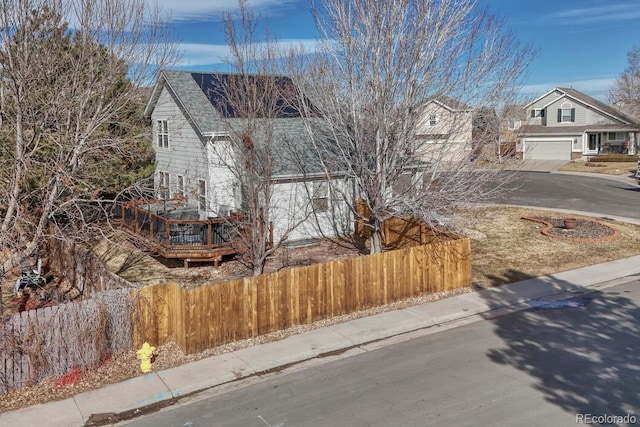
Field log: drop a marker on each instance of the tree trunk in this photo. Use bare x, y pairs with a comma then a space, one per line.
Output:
377, 242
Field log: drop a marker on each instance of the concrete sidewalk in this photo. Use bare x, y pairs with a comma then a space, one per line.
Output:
126, 399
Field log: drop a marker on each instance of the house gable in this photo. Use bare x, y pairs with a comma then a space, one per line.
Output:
569, 107
184, 161
187, 95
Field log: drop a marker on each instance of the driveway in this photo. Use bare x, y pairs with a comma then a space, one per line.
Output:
605, 196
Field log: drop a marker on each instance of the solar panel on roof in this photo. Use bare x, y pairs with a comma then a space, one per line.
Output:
250, 96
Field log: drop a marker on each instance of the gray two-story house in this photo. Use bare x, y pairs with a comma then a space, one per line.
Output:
566, 124
193, 131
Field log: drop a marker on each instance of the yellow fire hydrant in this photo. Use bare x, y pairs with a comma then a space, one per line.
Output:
145, 354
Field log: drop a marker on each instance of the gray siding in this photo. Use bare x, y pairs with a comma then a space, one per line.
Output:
584, 115
186, 154
596, 118
552, 113
540, 103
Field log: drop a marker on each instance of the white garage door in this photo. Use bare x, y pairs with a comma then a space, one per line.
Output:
548, 150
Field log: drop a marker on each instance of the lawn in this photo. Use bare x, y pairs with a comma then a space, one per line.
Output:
506, 249
609, 168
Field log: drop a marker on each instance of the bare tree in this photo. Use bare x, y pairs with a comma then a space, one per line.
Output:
625, 92
380, 64
72, 73
259, 109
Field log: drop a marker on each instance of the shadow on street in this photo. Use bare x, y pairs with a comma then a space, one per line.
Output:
582, 351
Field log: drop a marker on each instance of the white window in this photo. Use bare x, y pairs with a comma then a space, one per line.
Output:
202, 194
164, 181
616, 136
514, 124
320, 197
162, 132
180, 185
537, 112
237, 194
433, 120
566, 114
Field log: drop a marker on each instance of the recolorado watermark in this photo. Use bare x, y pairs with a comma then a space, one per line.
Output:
605, 419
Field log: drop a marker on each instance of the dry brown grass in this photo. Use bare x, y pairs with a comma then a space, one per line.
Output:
608, 168
515, 250
138, 266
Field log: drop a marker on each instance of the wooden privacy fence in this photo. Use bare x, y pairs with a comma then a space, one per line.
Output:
397, 232
54, 340
201, 318
407, 232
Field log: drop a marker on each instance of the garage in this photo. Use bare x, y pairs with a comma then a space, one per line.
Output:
558, 149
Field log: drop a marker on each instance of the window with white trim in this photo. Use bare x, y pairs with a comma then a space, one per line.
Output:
566, 113
433, 120
202, 194
537, 113
180, 185
162, 133
164, 182
513, 124
616, 136
320, 197
236, 192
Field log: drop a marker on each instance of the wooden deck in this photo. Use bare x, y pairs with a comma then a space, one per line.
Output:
186, 239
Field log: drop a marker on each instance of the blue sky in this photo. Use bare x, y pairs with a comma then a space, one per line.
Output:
581, 43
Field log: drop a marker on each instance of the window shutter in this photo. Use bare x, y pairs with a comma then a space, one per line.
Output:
533, 113
573, 114
559, 115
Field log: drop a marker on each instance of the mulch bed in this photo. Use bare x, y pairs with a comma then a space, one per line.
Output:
585, 230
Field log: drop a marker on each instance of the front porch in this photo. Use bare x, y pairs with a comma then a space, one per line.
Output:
601, 142
173, 231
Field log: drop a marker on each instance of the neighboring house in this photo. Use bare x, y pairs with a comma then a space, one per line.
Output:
565, 124
513, 117
445, 130
191, 131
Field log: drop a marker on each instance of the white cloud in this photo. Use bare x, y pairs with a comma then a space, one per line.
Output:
199, 55
208, 9
599, 14
195, 55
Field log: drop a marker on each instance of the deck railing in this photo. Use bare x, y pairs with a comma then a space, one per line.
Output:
170, 233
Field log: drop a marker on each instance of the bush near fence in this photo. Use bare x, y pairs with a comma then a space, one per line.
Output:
205, 317
631, 158
83, 268
53, 341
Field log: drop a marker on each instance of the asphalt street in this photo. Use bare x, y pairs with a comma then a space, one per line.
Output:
561, 359
587, 194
